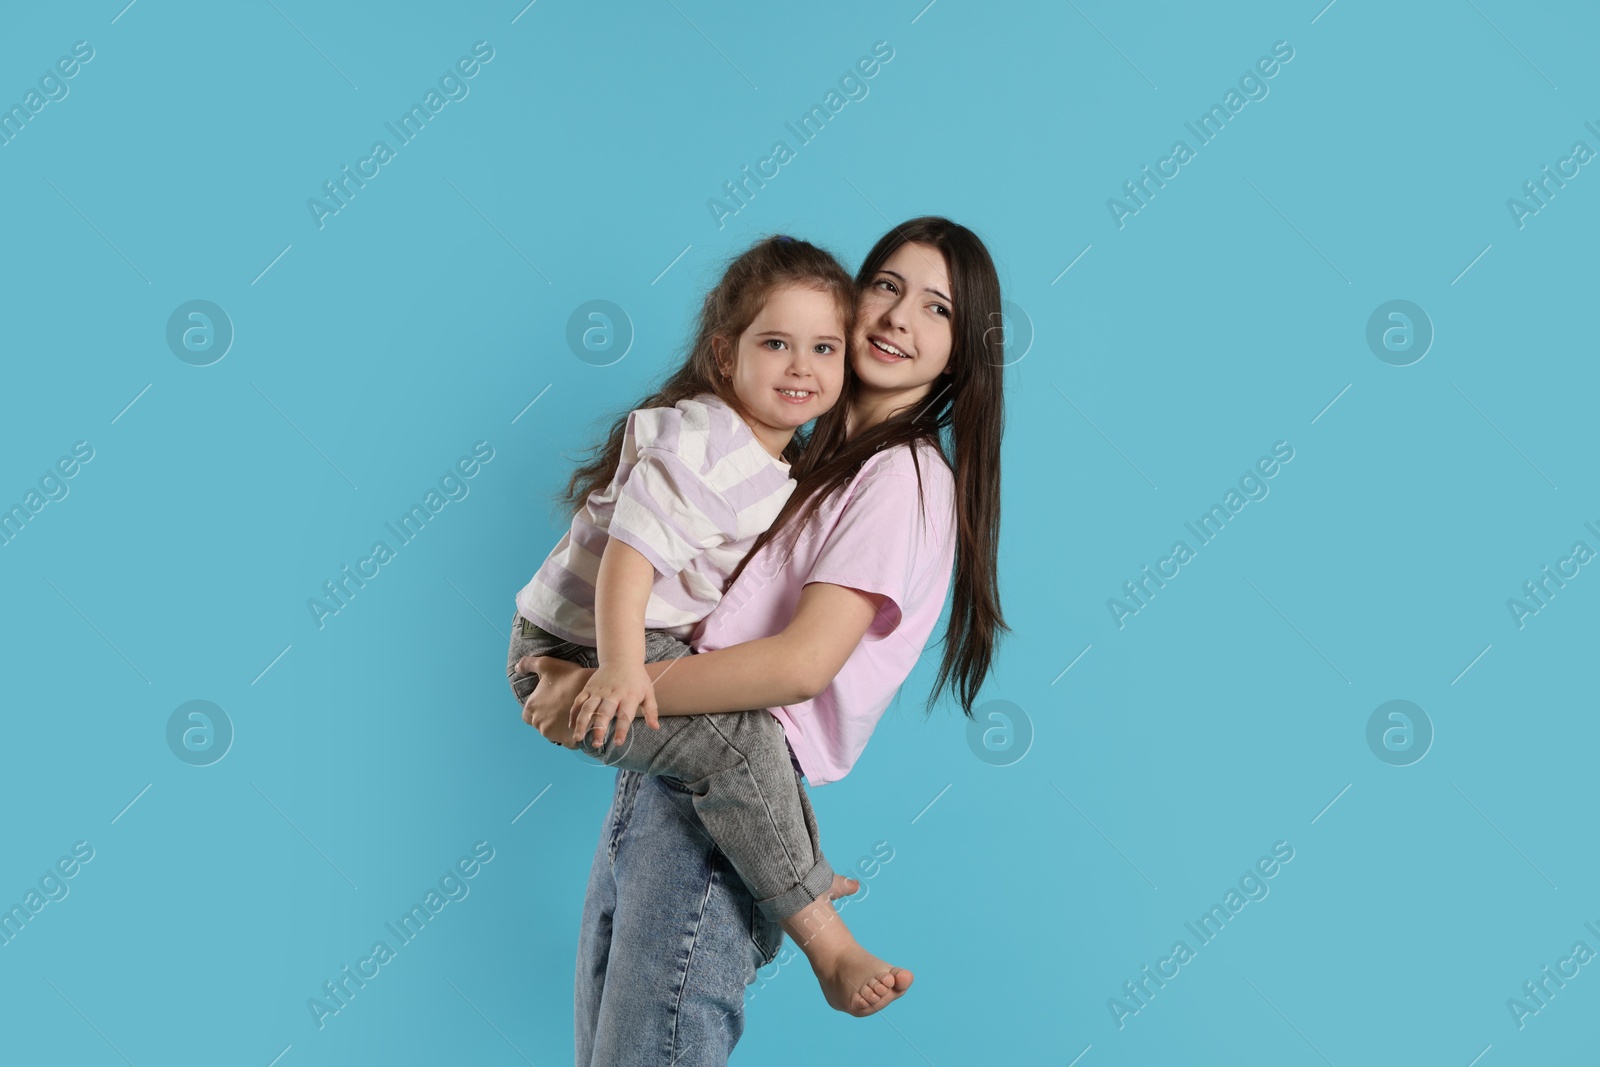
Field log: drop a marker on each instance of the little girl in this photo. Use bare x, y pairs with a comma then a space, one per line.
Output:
673, 501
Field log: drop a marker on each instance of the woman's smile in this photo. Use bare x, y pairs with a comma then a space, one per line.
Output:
881, 349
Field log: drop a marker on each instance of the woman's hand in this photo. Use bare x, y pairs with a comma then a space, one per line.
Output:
547, 707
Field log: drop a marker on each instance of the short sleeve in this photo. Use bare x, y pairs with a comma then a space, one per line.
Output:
656, 428
881, 535
668, 513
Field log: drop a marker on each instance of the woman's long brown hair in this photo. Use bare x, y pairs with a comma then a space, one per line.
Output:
729, 309
962, 418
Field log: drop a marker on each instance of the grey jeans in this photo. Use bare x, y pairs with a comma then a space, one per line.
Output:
736, 766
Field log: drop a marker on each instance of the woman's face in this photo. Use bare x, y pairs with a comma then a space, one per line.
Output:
903, 334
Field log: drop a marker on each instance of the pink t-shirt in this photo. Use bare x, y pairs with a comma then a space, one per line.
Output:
875, 535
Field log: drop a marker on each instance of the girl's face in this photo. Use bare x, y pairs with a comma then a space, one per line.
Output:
788, 366
903, 333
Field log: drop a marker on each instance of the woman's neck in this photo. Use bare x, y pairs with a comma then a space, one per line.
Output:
868, 409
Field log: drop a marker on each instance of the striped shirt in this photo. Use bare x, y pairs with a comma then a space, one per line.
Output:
693, 490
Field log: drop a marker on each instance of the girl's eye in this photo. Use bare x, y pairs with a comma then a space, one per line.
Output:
824, 349
773, 341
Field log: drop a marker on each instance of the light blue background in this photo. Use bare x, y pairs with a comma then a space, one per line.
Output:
1227, 315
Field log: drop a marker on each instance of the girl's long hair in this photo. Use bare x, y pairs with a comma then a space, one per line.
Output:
962, 419
729, 309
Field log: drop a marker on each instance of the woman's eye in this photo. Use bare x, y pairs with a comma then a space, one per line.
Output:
887, 284
941, 309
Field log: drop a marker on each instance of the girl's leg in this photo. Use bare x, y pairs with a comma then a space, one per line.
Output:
740, 769
528, 640
737, 768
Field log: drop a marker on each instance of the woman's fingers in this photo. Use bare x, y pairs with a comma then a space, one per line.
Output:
543, 665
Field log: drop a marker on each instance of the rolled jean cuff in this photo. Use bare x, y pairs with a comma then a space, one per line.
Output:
817, 882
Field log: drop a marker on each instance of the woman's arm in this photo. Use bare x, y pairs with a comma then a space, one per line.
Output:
787, 668
790, 667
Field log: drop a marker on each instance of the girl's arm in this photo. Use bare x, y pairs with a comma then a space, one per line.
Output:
621, 594
620, 688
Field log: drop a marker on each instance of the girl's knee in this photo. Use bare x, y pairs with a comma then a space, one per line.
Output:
522, 685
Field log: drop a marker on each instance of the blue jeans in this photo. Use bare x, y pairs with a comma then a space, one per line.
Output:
670, 939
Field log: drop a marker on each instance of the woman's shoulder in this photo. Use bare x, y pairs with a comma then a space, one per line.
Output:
902, 488
922, 462
903, 479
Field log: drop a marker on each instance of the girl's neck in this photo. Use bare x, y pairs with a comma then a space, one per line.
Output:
773, 441
773, 438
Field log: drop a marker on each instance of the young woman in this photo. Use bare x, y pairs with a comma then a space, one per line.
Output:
823, 623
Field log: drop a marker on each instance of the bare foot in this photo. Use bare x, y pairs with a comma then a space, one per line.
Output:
860, 983
853, 980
